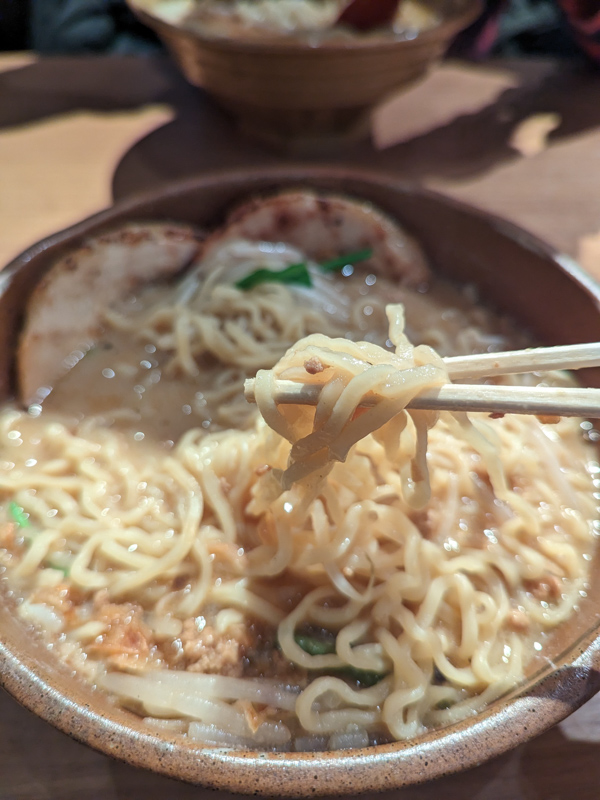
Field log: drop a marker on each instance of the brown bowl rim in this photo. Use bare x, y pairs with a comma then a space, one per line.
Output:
276, 45
514, 719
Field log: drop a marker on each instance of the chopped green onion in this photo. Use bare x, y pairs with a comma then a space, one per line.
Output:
298, 273
19, 515
342, 261
65, 570
295, 273
366, 677
321, 647
314, 646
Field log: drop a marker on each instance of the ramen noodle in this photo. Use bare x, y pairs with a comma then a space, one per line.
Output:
299, 578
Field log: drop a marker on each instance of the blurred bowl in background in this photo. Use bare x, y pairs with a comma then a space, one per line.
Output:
298, 92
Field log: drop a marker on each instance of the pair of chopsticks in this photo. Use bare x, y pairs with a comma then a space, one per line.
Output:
540, 400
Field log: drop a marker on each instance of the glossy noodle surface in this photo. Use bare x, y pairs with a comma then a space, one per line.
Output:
304, 579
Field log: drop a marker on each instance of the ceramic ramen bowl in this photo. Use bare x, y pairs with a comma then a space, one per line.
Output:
515, 273
292, 92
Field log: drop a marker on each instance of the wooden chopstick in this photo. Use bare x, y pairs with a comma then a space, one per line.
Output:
541, 400
511, 362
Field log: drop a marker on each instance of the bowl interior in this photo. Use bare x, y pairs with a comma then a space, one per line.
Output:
516, 274
446, 13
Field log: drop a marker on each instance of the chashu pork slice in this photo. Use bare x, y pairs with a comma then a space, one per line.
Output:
64, 313
324, 227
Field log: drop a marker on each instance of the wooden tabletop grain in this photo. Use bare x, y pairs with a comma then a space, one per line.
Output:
76, 133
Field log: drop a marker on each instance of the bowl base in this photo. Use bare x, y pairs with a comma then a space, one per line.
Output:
300, 131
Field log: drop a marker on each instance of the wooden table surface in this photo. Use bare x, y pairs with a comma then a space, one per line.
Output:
75, 133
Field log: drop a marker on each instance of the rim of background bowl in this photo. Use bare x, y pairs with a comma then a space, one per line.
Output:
514, 719
446, 29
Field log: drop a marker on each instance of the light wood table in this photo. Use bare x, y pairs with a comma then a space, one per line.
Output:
76, 132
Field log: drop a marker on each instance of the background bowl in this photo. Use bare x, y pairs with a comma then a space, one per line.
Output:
515, 273
292, 93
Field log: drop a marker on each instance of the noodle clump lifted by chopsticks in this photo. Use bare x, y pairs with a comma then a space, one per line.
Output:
348, 373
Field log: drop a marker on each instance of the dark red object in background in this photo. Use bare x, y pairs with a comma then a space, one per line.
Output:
366, 14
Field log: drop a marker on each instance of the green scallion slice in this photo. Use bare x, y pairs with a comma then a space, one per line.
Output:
298, 273
321, 647
19, 515
340, 262
314, 646
295, 273
65, 570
